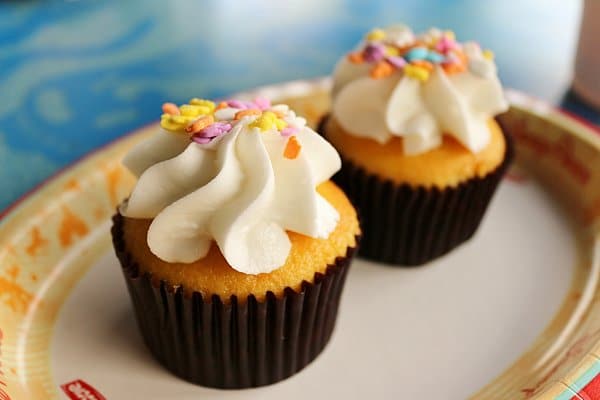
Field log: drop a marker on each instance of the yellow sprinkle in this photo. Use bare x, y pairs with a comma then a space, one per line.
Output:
488, 54
416, 72
450, 35
174, 123
391, 51
376, 34
201, 102
280, 124
195, 110
267, 121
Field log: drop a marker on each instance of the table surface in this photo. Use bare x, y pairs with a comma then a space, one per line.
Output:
76, 75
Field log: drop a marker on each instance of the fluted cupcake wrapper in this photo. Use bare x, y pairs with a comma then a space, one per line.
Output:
408, 226
233, 344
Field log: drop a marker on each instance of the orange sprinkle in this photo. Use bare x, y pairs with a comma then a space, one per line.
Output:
381, 70
462, 56
356, 58
405, 49
221, 105
454, 68
170, 108
279, 114
244, 113
199, 124
423, 64
292, 148
457, 67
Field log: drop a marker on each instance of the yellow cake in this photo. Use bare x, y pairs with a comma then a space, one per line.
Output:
445, 166
213, 275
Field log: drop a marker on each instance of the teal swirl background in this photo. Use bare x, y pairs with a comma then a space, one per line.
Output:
75, 75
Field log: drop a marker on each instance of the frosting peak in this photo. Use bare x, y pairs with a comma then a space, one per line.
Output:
418, 88
239, 173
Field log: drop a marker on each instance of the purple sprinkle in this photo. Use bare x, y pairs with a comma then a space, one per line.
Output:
289, 131
201, 140
396, 61
374, 52
242, 105
214, 130
262, 103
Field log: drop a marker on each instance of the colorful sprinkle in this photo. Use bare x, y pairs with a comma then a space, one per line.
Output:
195, 110
416, 72
289, 131
423, 64
445, 44
454, 67
356, 58
391, 51
267, 121
381, 70
397, 62
374, 52
214, 130
238, 104
204, 120
292, 148
262, 103
434, 57
171, 109
221, 106
244, 113
201, 140
199, 124
416, 53
420, 54
376, 34
204, 103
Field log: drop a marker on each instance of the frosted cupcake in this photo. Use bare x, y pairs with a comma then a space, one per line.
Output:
413, 120
234, 243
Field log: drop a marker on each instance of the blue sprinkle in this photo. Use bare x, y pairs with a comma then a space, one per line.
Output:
434, 57
417, 53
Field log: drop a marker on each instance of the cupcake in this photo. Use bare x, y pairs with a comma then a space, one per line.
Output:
234, 243
413, 120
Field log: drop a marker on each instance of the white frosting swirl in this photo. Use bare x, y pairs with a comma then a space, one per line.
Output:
239, 190
419, 110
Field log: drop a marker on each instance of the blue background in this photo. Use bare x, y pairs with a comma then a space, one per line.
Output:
75, 75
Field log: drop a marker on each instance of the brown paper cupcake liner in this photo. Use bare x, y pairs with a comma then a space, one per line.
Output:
233, 344
409, 226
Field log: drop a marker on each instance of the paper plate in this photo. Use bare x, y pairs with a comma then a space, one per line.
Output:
512, 314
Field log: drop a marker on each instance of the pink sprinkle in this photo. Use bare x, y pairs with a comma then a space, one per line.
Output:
262, 103
374, 52
237, 104
201, 140
396, 61
289, 131
214, 130
445, 44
